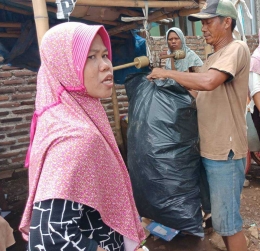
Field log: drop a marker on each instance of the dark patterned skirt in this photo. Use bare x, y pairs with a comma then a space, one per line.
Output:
65, 225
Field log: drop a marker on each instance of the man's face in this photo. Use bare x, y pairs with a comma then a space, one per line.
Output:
98, 72
174, 42
213, 30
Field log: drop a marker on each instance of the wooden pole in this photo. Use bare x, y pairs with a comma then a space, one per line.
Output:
119, 137
41, 18
136, 3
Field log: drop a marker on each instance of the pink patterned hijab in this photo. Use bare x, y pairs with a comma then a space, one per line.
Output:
255, 58
73, 153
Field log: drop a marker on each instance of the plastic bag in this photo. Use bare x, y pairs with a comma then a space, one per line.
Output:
163, 152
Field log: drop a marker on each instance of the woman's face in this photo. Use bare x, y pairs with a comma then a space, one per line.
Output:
98, 71
174, 42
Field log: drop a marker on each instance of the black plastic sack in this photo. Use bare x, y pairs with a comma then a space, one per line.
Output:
163, 152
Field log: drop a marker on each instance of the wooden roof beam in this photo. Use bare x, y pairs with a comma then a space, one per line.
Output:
16, 10
11, 30
152, 18
123, 35
130, 13
29, 4
13, 35
54, 10
181, 13
124, 27
136, 3
10, 25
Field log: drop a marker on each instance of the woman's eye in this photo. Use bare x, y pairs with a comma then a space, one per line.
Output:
105, 56
91, 57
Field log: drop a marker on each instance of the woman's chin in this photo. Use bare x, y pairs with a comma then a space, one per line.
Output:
106, 93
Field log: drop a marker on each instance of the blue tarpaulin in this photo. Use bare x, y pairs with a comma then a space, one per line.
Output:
126, 53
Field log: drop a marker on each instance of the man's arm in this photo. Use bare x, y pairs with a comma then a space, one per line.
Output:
207, 81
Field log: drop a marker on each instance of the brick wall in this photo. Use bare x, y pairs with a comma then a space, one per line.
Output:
17, 95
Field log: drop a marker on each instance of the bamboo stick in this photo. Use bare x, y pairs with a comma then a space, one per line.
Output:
41, 18
124, 66
136, 3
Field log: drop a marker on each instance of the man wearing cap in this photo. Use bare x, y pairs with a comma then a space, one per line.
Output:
223, 86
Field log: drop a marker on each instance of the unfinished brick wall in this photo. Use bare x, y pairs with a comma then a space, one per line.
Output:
17, 95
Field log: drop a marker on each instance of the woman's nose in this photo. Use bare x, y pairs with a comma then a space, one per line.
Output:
104, 64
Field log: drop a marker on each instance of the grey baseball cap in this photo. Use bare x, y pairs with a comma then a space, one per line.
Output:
214, 8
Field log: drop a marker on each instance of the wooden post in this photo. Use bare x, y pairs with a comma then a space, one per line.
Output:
136, 3
119, 137
41, 18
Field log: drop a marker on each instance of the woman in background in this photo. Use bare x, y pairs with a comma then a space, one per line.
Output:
176, 41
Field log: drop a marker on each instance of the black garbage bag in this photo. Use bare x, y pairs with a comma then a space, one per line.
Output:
163, 152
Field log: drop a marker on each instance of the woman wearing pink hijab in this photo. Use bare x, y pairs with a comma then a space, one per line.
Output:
80, 195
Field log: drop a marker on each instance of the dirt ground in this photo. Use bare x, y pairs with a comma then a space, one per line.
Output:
250, 209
